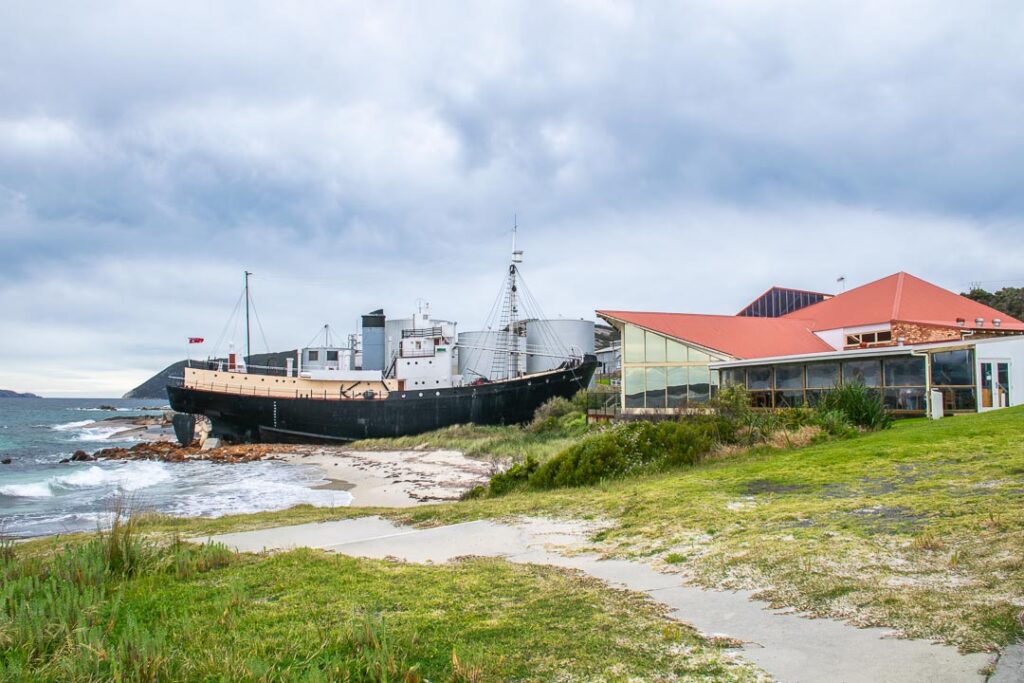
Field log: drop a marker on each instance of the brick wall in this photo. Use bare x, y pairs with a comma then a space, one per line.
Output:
916, 333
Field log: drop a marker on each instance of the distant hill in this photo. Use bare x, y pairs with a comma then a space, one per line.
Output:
155, 386
7, 393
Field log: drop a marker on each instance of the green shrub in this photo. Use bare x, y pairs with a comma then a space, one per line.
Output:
835, 423
558, 415
733, 403
628, 447
513, 478
861, 405
795, 418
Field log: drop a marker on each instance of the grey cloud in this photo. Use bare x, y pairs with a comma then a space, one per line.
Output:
659, 155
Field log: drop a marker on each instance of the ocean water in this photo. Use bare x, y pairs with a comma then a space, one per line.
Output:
39, 495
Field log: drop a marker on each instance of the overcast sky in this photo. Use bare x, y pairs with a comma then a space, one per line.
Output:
678, 156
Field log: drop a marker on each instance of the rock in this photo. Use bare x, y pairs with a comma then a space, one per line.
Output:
64, 460
105, 407
184, 428
5, 461
81, 456
210, 443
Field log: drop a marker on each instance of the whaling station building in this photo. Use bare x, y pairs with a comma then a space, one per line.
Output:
900, 335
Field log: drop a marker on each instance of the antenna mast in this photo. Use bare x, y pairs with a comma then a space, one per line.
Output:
247, 335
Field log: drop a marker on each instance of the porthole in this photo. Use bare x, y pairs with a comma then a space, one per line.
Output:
437, 393
403, 395
421, 394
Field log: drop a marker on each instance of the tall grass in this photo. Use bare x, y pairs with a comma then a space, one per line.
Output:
861, 405
61, 615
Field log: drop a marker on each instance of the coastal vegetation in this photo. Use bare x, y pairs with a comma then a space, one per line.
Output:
919, 527
915, 525
124, 605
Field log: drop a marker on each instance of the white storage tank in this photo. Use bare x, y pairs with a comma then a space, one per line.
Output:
476, 353
563, 337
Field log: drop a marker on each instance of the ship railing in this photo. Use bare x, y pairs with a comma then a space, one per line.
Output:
271, 392
422, 353
222, 365
422, 332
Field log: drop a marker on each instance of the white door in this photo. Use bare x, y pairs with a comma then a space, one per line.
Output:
995, 385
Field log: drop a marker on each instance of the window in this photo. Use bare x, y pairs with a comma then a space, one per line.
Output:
634, 344
314, 355
655, 387
789, 377
822, 375
904, 371
866, 372
677, 380
869, 338
634, 387
732, 377
789, 385
698, 356
332, 355
655, 348
676, 352
700, 385
759, 379
759, 384
904, 398
953, 368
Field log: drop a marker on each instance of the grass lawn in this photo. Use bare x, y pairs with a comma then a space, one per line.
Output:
201, 613
920, 527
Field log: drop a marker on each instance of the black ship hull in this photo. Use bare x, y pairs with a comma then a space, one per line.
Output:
261, 418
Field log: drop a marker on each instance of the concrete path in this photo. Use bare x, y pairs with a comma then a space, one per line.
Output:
791, 648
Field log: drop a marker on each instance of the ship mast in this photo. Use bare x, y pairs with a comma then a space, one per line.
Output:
247, 332
506, 360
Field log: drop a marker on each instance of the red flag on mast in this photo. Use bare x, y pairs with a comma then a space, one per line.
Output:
195, 340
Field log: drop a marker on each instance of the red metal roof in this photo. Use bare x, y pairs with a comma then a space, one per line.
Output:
739, 337
900, 297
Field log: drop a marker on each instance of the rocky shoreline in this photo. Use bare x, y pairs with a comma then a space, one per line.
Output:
166, 451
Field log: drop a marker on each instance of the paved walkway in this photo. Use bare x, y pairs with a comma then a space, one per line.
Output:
791, 648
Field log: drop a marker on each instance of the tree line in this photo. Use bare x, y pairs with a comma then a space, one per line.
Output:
1009, 300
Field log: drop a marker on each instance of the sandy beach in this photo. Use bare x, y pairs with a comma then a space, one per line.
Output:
373, 478
393, 478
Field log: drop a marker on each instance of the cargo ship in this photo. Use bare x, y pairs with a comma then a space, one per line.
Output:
385, 385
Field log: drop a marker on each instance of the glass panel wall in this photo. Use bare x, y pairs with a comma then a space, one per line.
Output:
697, 356
789, 386
633, 340
759, 384
700, 384
904, 371
655, 346
676, 352
677, 381
900, 381
822, 375
732, 377
655, 387
633, 387
953, 375
866, 372
661, 373
904, 379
